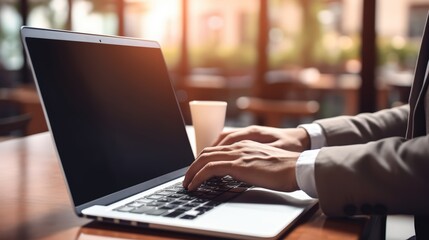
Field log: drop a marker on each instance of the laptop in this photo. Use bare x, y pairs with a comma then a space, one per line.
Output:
123, 147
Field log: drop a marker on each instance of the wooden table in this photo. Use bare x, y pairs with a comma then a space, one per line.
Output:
34, 203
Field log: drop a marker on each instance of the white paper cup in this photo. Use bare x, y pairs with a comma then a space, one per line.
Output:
208, 119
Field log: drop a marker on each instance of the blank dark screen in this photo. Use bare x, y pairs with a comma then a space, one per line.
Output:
113, 114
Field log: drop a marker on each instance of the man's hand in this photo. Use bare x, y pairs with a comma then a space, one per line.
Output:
252, 162
291, 139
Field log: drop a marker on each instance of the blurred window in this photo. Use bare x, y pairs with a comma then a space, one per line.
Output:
47, 13
222, 35
400, 27
416, 23
316, 33
318, 36
11, 58
95, 16
158, 20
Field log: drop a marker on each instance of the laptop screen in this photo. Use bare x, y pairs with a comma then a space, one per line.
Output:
113, 114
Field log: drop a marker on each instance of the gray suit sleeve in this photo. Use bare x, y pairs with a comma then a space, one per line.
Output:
362, 128
389, 176
379, 173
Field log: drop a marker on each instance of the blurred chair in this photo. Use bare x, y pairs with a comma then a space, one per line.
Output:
272, 112
281, 99
400, 86
13, 122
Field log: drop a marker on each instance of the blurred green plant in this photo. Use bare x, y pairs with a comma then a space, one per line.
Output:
404, 55
226, 58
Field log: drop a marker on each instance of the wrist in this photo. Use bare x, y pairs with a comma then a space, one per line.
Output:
294, 179
303, 138
296, 140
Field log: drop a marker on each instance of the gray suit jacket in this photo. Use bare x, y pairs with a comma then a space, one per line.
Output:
377, 163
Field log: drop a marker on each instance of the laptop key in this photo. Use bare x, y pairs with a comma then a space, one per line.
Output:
155, 197
168, 207
184, 209
156, 212
171, 206
204, 209
179, 202
155, 204
165, 200
187, 198
124, 209
191, 205
193, 212
143, 209
144, 200
190, 217
176, 195
164, 193
135, 204
175, 213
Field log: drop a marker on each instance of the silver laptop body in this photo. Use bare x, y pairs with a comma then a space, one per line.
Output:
121, 140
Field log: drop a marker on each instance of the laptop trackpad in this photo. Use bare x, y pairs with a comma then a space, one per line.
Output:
258, 212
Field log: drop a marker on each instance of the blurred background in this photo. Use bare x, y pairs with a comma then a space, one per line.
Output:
276, 62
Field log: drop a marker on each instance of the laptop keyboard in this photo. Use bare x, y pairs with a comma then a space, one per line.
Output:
176, 202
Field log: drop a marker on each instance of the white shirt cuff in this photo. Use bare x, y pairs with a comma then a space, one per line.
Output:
305, 172
317, 137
